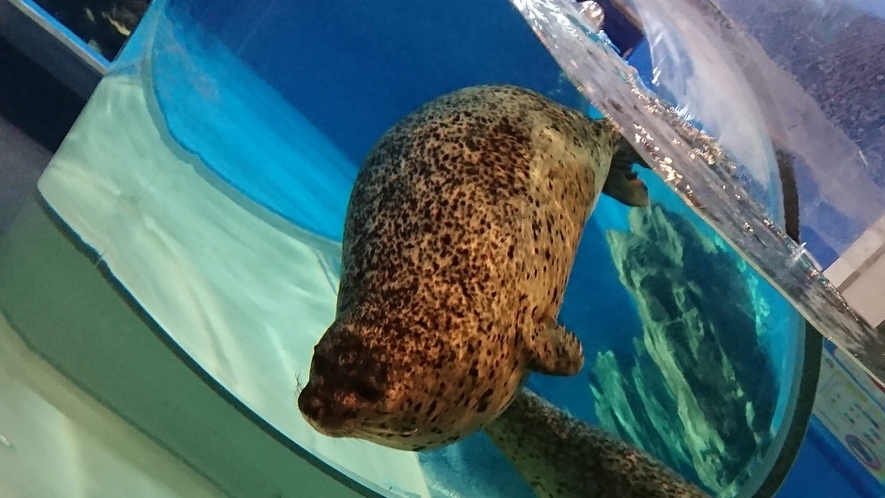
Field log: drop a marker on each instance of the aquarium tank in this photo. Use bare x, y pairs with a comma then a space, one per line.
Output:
209, 174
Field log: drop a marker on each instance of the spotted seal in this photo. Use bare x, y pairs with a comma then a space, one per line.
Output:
459, 237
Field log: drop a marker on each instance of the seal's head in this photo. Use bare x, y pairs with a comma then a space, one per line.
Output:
357, 390
363, 387
348, 386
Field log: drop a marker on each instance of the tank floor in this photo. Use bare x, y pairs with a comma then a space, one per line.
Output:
47, 411
101, 455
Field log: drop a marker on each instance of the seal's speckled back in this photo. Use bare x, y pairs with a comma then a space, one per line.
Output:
460, 234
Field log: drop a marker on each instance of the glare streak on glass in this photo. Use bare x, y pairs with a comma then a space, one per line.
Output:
692, 163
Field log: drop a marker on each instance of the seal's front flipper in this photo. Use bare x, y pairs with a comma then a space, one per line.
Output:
553, 350
622, 184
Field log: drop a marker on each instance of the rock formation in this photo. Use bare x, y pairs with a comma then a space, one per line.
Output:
700, 391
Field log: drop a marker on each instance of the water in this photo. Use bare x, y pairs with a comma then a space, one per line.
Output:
218, 205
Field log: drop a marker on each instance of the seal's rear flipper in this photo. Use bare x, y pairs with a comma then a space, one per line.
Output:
558, 453
553, 350
622, 184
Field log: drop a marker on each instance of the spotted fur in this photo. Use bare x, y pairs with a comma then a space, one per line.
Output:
563, 457
459, 237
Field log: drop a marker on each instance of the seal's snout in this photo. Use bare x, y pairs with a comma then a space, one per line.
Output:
321, 411
310, 405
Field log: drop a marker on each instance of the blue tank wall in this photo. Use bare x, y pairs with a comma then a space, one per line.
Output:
355, 68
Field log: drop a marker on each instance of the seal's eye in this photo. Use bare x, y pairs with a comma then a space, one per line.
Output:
366, 391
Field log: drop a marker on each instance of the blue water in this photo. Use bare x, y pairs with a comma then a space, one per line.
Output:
328, 63
320, 72
286, 164
240, 121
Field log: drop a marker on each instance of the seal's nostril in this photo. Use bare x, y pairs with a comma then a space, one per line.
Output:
310, 405
322, 411
316, 408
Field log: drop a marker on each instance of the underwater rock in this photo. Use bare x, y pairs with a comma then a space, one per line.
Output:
700, 392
